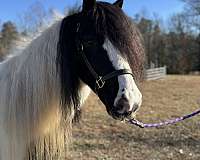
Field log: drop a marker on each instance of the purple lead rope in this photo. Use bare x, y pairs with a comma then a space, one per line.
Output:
168, 122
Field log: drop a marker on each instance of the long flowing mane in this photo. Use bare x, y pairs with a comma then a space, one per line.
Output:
30, 99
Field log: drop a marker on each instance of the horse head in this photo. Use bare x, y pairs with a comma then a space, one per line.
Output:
108, 55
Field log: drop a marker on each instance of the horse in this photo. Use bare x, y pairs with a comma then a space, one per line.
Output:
44, 85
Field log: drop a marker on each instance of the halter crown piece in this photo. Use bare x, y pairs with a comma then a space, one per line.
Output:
100, 80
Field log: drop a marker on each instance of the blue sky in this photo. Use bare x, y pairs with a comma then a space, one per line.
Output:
11, 9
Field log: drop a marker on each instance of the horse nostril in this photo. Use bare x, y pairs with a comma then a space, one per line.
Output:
122, 106
123, 96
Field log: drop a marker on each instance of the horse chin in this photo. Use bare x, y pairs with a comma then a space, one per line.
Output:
119, 116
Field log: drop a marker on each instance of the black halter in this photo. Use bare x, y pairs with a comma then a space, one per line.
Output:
100, 80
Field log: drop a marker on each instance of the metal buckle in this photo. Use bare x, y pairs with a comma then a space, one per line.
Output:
100, 82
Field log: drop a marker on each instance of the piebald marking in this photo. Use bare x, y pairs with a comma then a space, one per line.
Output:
127, 85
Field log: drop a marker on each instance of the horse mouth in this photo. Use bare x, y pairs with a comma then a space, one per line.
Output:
118, 116
113, 112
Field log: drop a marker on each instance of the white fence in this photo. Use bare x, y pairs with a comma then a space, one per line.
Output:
155, 73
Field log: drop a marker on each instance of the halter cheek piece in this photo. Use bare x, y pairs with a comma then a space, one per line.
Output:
100, 80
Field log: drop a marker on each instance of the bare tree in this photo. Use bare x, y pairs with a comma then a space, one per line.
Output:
71, 10
33, 18
146, 27
182, 47
8, 34
192, 13
194, 6
178, 24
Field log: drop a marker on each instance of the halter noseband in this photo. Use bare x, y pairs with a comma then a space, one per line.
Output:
99, 80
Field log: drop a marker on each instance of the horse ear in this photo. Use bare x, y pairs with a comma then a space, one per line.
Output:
89, 5
119, 3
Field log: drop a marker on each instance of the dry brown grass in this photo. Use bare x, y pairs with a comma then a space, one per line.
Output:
99, 137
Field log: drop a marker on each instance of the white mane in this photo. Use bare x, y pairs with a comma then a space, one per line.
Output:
30, 113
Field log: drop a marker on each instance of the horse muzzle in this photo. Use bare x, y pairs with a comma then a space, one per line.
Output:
123, 110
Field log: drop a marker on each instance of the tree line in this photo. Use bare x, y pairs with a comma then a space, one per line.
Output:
8, 34
176, 46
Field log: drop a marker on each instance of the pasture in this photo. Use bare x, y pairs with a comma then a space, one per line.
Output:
99, 137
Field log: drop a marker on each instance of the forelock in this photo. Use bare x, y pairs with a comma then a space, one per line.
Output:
112, 23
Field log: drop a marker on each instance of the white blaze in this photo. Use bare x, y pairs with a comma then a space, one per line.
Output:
127, 85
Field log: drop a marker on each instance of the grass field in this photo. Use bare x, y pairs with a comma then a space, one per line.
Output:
99, 137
